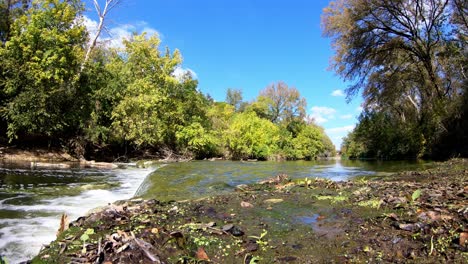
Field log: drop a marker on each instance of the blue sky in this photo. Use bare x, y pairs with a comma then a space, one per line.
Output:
247, 45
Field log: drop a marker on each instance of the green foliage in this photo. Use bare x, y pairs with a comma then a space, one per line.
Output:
283, 103
40, 62
156, 105
85, 237
378, 135
234, 98
308, 143
416, 194
9, 11
133, 96
411, 73
250, 136
198, 140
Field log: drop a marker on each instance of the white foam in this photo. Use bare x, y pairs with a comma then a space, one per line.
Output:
22, 238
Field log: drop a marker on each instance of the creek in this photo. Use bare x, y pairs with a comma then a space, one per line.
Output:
32, 200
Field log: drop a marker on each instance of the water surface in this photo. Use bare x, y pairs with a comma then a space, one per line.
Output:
32, 200
196, 179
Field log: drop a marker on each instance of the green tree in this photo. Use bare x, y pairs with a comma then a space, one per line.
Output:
9, 11
250, 136
284, 103
234, 98
308, 144
40, 61
406, 56
379, 135
156, 105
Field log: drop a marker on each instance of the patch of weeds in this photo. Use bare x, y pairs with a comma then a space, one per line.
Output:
306, 182
333, 198
85, 237
372, 203
204, 241
416, 194
255, 260
259, 240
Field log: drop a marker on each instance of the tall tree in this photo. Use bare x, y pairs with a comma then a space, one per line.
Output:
284, 103
156, 105
234, 97
405, 55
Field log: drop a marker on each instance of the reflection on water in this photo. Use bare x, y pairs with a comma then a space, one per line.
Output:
203, 178
31, 202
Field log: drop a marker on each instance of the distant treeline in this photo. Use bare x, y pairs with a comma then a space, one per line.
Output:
59, 89
409, 60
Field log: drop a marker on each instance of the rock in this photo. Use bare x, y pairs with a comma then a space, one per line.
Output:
235, 231
49, 165
227, 228
411, 227
246, 205
98, 165
393, 216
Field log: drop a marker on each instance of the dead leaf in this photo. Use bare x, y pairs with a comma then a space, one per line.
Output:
283, 186
273, 201
463, 239
246, 205
63, 224
201, 254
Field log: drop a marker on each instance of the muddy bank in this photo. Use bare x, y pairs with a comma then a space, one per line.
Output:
411, 217
9, 154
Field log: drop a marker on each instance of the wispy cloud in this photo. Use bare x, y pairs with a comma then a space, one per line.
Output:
359, 109
339, 130
115, 36
322, 114
337, 93
348, 116
337, 134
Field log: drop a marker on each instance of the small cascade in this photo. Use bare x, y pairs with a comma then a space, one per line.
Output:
30, 209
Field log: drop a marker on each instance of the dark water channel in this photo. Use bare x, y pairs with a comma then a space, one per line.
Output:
32, 200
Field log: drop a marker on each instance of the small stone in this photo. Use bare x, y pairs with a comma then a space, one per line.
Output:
227, 227
235, 231
246, 205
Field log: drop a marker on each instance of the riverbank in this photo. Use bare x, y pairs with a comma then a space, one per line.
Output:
407, 217
11, 154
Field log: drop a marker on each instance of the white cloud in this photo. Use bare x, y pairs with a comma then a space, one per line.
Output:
359, 109
322, 114
90, 25
338, 133
338, 93
179, 72
348, 116
114, 36
340, 130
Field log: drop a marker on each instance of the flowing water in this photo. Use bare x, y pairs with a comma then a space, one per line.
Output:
32, 200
